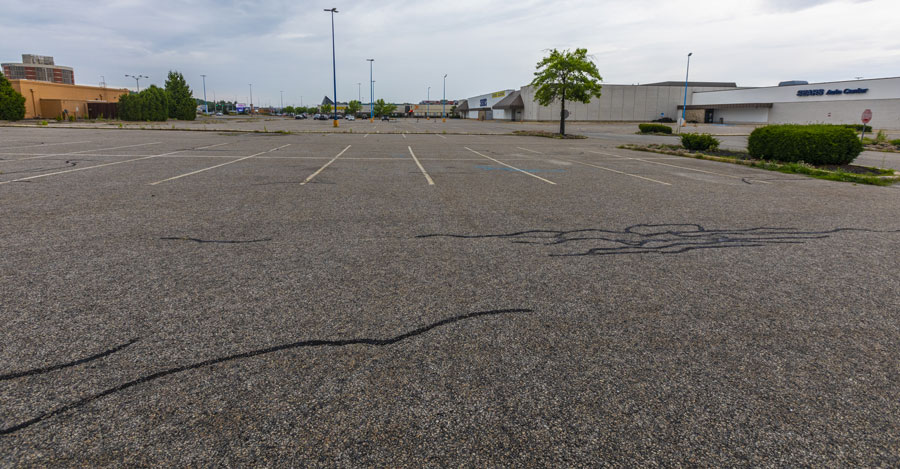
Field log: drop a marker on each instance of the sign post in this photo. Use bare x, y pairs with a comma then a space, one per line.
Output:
866, 118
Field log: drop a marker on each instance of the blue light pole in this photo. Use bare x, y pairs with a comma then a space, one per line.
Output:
333, 64
684, 104
371, 93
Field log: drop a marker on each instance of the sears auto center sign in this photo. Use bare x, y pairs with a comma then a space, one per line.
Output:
824, 92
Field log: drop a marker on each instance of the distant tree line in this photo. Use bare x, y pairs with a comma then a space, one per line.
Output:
176, 101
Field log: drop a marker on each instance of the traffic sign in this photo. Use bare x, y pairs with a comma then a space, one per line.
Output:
866, 116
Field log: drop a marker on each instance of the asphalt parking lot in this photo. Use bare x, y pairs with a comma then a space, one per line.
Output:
407, 299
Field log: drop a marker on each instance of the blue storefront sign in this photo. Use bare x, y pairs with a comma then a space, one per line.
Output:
483, 102
823, 92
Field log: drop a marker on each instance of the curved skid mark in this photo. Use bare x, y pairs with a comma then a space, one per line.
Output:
38, 371
253, 353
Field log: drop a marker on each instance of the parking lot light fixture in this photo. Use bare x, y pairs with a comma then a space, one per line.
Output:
251, 99
444, 101
137, 79
371, 93
427, 99
333, 64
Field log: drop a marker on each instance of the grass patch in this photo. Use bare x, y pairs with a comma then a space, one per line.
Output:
545, 134
844, 173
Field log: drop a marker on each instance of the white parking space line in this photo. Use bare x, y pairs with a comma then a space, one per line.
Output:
404, 136
217, 166
212, 146
366, 135
616, 171
421, 168
439, 135
45, 145
675, 166
311, 176
84, 151
510, 166
533, 151
91, 167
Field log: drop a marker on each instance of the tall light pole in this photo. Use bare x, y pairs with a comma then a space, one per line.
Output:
444, 101
251, 99
427, 98
684, 104
137, 79
215, 103
333, 64
371, 92
205, 103
282, 102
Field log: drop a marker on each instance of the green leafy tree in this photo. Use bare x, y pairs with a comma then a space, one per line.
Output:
12, 103
326, 108
566, 76
383, 109
180, 99
353, 107
289, 110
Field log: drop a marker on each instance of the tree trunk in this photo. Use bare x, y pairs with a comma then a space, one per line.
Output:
562, 118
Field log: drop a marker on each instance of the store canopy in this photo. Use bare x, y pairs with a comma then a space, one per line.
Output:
513, 101
692, 107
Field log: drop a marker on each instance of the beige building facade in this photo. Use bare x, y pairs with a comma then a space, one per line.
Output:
48, 100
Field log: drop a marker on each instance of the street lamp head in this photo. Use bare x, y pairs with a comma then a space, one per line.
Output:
690, 54
333, 10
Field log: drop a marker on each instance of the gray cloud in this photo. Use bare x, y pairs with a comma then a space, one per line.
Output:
483, 45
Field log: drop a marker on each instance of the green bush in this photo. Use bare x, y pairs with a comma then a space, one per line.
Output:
699, 142
151, 104
896, 143
12, 103
654, 128
813, 144
858, 127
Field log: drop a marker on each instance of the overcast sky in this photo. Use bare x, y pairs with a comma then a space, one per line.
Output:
483, 45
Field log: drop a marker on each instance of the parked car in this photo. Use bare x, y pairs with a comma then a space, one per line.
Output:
385, 118
299, 116
219, 113
350, 118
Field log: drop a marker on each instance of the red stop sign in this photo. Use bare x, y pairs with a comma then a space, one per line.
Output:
866, 116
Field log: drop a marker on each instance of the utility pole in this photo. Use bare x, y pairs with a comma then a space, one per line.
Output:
251, 99
427, 98
371, 92
205, 102
444, 101
282, 102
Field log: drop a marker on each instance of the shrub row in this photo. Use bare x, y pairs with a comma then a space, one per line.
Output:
151, 104
699, 142
858, 127
654, 128
813, 144
896, 143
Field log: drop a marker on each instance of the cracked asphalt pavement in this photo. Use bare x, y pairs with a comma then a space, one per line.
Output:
177, 298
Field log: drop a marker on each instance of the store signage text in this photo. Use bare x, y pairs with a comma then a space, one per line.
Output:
832, 92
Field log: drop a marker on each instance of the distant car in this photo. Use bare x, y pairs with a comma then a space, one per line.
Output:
298, 116
218, 113
385, 118
350, 118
